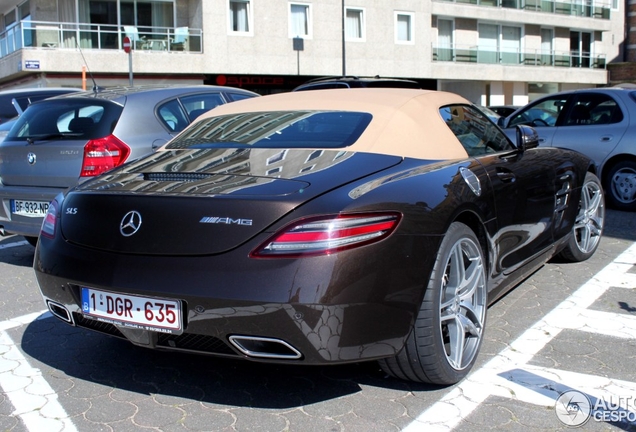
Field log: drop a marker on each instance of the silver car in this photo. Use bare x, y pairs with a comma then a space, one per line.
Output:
61, 141
601, 123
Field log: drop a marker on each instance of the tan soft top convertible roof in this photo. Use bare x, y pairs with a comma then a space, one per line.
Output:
405, 122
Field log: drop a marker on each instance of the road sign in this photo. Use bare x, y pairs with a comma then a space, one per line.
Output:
127, 45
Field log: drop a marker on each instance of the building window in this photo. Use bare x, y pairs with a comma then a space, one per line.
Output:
24, 10
403, 27
314, 155
299, 20
240, 16
354, 27
499, 44
276, 158
340, 154
9, 19
581, 48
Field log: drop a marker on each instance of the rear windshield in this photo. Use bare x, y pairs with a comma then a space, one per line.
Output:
277, 129
66, 118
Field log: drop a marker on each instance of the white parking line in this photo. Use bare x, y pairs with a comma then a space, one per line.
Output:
33, 399
508, 374
16, 244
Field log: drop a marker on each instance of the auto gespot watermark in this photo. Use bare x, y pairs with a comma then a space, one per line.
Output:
574, 408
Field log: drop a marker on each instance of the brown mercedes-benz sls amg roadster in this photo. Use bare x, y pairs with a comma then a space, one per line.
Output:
320, 227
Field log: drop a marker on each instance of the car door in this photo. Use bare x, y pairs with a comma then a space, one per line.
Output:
593, 124
523, 186
543, 115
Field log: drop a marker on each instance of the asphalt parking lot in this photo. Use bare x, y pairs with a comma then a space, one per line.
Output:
569, 327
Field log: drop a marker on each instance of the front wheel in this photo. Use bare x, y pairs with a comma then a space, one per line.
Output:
621, 186
589, 222
448, 331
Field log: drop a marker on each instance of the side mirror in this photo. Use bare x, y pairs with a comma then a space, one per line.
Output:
527, 138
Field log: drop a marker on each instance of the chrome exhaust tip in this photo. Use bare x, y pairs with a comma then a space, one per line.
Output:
60, 311
261, 347
3, 233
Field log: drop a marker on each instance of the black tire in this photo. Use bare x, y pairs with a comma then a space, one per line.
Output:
33, 241
456, 294
620, 186
589, 223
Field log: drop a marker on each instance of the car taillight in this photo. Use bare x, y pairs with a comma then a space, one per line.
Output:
50, 220
326, 235
103, 154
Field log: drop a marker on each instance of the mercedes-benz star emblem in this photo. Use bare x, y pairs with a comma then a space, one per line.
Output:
130, 223
31, 158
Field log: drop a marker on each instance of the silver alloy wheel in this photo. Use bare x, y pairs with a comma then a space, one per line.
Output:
463, 303
623, 185
589, 222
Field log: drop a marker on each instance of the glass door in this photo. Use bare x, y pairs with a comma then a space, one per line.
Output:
445, 40
510, 45
547, 36
488, 43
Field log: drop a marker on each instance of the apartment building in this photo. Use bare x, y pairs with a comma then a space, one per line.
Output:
491, 51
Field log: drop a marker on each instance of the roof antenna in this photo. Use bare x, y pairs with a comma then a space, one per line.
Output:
96, 88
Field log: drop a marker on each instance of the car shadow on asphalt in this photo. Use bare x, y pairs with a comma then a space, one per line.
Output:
16, 251
114, 363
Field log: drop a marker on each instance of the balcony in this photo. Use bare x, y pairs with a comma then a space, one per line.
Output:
57, 35
579, 8
481, 55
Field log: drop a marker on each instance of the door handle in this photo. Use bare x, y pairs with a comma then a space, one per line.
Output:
606, 138
506, 176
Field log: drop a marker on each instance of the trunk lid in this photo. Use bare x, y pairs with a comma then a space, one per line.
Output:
199, 202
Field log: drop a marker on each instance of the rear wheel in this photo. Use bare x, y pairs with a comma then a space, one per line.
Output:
33, 241
621, 185
588, 226
448, 331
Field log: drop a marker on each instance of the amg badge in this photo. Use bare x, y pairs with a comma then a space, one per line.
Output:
225, 220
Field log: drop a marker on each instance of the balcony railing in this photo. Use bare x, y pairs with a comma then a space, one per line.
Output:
581, 8
476, 54
40, 34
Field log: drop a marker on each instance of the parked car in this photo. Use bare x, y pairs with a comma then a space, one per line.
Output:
319, 227
600, 123
493, 116
63, 140
14, 101
503, 110
336, 82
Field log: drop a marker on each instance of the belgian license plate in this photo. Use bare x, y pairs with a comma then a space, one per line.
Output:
29, 208
145, 313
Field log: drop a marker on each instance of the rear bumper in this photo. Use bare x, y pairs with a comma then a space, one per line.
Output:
23, 225
330, 309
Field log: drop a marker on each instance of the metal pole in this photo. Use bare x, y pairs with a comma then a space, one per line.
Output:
130, 67
344, 68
